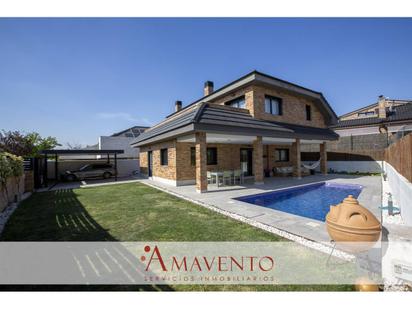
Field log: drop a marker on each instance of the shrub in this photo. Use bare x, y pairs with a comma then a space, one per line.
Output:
10, 165
6, 170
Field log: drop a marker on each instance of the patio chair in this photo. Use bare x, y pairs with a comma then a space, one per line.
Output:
237, 175
227, 175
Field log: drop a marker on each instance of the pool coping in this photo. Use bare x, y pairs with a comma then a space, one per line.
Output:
292, 188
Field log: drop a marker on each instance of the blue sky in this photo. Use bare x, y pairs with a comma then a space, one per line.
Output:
77, 79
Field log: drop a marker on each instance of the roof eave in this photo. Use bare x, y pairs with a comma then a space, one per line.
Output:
164, 136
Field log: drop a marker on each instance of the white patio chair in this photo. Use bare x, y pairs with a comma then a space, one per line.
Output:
227, 176
237, 175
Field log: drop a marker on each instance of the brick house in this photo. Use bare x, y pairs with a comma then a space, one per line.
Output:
252, 124
388, 116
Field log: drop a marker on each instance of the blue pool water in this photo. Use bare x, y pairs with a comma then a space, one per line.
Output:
310, 201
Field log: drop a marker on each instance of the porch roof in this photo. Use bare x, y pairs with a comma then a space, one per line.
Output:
205, 117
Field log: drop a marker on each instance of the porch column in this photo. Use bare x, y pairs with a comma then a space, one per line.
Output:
258, 160
297, 169
323, 159
201, 167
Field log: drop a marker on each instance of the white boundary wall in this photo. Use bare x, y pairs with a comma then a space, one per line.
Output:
401, 189
352, 166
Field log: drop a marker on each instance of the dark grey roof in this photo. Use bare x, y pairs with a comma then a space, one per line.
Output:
401, 112
221, 119
256, 76
398, 113
358, 122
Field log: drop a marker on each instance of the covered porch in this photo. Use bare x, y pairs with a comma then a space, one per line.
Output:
254, 156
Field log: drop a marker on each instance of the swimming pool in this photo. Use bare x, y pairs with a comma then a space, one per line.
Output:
310, 201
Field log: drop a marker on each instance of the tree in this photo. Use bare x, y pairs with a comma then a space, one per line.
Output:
25, 145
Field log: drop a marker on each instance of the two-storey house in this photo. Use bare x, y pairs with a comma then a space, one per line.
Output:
254, 123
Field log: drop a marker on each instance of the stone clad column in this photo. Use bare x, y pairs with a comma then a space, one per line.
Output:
201, 162
323, 159
258, 160
297, 169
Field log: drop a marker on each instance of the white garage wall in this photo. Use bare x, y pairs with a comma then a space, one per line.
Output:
119, 142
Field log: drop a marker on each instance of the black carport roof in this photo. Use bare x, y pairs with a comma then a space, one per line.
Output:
81, 151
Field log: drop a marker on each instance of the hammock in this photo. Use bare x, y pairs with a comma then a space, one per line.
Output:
312, 166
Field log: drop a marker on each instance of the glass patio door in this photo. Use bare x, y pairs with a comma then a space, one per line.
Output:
246, 163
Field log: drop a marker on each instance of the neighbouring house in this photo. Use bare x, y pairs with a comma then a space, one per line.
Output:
122, 140
365, 133
253, 124
385, 116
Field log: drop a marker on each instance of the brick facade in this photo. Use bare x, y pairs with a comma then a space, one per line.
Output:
163, 171
293, 106
228, 158
180, 168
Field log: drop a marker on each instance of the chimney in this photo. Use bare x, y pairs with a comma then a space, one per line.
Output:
178, 106
381, 106
208, 88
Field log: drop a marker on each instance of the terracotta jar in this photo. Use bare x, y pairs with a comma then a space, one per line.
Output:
351, 222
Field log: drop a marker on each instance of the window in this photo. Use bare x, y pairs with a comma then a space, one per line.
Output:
273, 105
308, 113
211, 156
163, 156
193, 156
366, 114
282, 155
238, 102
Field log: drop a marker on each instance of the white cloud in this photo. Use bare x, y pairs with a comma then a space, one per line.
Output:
126, 117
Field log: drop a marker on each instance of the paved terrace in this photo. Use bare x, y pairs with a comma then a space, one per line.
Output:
223, 198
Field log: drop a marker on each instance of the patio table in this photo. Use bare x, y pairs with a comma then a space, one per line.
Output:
217, 175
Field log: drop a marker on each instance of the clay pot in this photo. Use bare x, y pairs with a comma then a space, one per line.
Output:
351, 222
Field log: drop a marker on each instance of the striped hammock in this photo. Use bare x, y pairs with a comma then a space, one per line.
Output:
312, 166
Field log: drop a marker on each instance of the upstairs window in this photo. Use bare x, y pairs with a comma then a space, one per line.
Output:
163, 156
366, 114
308, 113
273, 105
282, 155
238, 102
212, 156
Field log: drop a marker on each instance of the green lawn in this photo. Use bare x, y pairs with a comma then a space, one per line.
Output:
131, 212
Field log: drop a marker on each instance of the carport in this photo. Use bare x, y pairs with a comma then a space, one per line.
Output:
55, 153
